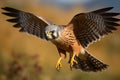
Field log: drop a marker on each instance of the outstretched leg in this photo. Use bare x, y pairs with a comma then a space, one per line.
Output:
76, 49
62, 54
73, 61
59, 64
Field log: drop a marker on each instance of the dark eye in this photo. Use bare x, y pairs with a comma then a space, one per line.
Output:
53, 31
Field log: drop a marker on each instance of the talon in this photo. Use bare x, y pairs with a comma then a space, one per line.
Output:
59, 65
73, 61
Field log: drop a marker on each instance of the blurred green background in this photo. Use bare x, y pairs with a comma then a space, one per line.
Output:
24, 57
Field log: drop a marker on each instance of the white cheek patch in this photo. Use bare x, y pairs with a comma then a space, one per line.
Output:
55, 34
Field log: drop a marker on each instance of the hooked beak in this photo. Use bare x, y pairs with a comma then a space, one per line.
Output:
48, 35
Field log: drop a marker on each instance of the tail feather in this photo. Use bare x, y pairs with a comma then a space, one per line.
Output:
89, 63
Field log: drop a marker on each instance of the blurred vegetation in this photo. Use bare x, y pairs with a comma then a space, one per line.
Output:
20, 67
24, 57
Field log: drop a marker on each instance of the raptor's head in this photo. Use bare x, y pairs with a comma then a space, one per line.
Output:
52, 32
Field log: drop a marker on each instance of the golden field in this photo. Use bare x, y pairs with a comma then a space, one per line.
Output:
25, 57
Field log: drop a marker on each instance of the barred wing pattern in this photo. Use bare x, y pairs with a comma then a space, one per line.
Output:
27, 22
91, 26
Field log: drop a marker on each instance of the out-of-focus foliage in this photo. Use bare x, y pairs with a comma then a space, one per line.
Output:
20, 67
22, 56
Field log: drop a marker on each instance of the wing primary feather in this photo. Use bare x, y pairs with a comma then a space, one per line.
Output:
10, 9
112, 19
10, 14
22, 30
111, 27
112, 24
13, 20
17, 25
110, 14
103, 10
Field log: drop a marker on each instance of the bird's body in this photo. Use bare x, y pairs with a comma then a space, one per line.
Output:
66, 39
74, 38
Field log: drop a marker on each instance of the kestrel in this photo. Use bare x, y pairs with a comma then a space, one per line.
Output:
74, 38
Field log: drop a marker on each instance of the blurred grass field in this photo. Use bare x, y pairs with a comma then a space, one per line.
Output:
25, 57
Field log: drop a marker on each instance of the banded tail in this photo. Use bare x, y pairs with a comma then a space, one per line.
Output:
88, 63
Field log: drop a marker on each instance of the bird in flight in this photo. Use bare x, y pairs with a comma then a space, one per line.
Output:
74, 38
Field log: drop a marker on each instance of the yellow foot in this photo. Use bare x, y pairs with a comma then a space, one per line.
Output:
73, 61
59, 65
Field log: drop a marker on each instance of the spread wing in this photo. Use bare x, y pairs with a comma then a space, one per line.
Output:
91, 26
27, 22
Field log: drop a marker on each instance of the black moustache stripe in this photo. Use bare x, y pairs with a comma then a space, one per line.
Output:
53, 37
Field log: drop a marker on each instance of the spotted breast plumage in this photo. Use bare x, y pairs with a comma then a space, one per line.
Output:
74, 38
